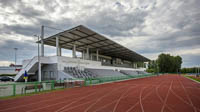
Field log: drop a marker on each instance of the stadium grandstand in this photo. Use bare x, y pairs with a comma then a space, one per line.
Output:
100, 57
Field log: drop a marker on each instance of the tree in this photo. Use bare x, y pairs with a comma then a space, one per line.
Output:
152, 66
189, 70
168, 63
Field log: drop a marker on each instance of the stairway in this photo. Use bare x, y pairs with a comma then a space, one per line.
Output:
30, 67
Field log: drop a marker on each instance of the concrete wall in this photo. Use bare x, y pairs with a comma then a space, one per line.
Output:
8, 70
49, 72
75, 62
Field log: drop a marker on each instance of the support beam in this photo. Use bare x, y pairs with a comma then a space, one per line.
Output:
78, 39
74, 50
91, 57
42, 40
97, 55
87, 53
58, 49
83, 54
92, 43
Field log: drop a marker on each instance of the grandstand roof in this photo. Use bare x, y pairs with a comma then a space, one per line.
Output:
83, 37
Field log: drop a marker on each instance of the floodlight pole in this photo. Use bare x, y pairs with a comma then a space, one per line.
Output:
42, 42
15, 56
39, 65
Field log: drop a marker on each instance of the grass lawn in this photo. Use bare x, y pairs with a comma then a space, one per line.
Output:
193, 78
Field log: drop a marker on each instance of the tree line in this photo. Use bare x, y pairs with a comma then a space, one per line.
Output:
190, 70
165, 64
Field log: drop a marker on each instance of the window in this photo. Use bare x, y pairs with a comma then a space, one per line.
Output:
51, 74
45, 75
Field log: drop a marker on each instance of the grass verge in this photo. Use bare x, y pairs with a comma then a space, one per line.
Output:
193, 78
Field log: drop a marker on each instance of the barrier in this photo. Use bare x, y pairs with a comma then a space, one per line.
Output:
20, 88
93, 81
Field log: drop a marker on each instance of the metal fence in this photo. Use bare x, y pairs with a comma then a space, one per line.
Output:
21, 88
93, 81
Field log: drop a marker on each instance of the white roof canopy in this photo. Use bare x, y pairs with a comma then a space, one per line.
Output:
84, 37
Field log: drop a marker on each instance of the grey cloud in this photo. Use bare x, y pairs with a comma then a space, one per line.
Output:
27, 30
190, 60
25, 50
29, 12
30, 30
49, 5
184, 20
114, 23
8, 3
176, 39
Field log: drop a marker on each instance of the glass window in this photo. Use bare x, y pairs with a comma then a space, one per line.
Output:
52, 76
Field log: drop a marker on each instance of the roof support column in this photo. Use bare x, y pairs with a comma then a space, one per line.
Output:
42, 42
132, 64
87, 53
83, 54
58, 49
91, 56
97, 55
147, 65
74, 50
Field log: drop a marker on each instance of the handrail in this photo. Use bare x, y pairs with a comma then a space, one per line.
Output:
24, 68
30, 61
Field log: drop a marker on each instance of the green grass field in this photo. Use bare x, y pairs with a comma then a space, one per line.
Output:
193, 78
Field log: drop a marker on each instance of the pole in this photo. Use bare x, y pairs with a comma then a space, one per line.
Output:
15, 56
39, 65
42, 42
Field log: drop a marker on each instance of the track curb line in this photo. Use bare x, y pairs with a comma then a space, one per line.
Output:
192, 79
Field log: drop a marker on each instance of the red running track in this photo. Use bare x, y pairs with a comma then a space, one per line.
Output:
166, 93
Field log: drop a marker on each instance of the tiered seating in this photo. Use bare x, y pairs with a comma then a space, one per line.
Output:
93, 73
77, 73
133, 73
142, 72
104, 72
129, 72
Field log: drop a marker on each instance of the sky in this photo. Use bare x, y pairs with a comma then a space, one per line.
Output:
149, 27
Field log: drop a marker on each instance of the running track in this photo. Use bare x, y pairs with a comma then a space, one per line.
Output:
166, 93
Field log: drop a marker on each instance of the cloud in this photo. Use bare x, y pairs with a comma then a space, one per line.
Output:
149, 27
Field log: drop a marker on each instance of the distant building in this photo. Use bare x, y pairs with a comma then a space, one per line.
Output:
12, 69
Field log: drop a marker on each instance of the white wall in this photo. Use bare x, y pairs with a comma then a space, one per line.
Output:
116, 68
75, 62
8, 70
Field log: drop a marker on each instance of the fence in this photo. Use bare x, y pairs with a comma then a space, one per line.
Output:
93, 81
20, 88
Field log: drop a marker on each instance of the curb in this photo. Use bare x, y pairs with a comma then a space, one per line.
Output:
192, 79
